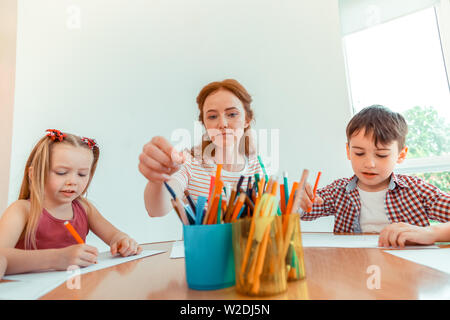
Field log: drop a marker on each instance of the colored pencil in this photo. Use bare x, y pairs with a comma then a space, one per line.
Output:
172, 193
238, 206
286, 188
301, 185
189, 199
73, 232
262, 167
211, 186
178, 206
282, 199
315, 189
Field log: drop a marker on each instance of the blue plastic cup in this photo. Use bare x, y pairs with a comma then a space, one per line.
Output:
209, 256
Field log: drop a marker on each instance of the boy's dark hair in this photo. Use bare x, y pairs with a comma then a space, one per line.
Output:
385, 125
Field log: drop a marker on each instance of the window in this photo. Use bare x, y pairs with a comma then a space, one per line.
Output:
401, 64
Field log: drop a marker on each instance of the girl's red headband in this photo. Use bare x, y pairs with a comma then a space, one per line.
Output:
90, 142
55, 135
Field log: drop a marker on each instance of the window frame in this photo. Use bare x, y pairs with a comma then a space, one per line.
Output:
434, 163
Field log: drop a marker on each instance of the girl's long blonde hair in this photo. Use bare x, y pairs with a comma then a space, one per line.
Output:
33, 185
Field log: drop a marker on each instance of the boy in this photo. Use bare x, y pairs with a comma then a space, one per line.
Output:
376, 197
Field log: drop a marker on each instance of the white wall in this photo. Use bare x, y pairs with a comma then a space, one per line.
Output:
8, 31
133, 69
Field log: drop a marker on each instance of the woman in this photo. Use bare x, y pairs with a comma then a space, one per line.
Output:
226, 114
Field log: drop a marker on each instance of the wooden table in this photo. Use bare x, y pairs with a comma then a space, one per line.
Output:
331, 273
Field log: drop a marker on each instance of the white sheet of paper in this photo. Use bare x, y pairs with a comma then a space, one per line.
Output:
177, 250
329, 240
32, 285
28, 290
436, 259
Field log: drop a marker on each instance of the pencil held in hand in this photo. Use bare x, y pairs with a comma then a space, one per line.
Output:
314, 190
73, 232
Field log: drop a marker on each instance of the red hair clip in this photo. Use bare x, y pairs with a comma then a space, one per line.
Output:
55, 135
90, 142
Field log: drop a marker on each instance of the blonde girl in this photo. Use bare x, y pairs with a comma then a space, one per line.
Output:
32, 232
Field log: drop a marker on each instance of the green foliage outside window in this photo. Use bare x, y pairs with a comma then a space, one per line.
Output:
428, 135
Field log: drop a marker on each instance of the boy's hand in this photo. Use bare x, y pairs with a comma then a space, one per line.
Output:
159, 160
124, 245
306, 200
401, 234
81, 255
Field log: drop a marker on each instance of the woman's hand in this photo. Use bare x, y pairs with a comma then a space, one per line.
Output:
401, 234
124, 245
159, 160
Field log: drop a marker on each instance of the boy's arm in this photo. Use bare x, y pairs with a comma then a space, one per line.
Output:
436, 202
442, 232
327, 208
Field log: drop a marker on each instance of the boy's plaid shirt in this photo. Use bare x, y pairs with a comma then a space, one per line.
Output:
408, 199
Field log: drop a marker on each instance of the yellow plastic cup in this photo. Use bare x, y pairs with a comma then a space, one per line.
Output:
259, 261
295, 262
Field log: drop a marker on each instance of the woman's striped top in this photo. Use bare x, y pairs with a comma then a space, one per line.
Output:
195, 176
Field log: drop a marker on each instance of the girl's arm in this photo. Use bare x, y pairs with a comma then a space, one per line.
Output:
118, 241
157, 198
3, 264
12, 224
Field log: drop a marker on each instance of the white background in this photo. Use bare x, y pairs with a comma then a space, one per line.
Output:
129, 70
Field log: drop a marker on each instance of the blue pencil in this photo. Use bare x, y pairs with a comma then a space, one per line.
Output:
170, 190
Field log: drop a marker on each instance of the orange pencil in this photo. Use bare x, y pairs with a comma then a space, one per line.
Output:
230, 205
73, 232
260, 260
249, 244
315, 189
212, 213
211, 187
217, 190
218, 171
289, 206
282, 199
238, 206
291, 197
274, 188
269, 186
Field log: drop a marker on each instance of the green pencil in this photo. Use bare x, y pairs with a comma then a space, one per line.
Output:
263, 168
